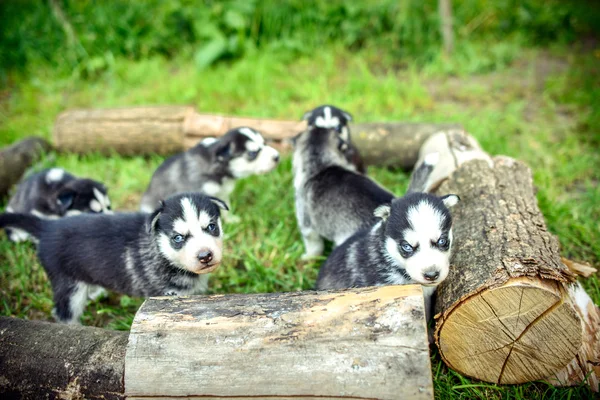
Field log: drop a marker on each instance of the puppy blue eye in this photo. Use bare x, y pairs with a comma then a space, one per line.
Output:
177, 238
442, 242
407, 248
253, 154
211, 227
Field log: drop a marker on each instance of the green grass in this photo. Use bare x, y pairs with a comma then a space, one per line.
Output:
536, 105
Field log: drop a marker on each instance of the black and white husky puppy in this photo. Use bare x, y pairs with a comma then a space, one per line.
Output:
410, 243
55, 193
333, 200
211, 167
167, 252
331, 117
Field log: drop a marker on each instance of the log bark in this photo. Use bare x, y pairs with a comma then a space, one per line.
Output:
507, 312
46, 360
368, 343
15, 159
169, 129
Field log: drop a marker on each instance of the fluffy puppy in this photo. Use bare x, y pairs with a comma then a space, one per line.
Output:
333, 200
211, 167
167, 252
331, 117
55, 193
410, 243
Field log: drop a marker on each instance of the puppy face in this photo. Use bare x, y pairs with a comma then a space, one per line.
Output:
188, 231
80, 196
418, 236
245, 152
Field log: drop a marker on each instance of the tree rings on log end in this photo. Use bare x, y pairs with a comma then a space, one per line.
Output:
524, 330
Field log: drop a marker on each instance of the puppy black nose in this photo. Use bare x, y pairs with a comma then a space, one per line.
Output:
276, 158
205, 257
431, 275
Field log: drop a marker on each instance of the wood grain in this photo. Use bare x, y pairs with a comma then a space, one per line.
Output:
368, 343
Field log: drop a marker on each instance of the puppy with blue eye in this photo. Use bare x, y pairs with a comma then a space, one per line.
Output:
167, 252
411, 242
212, 167
55, 193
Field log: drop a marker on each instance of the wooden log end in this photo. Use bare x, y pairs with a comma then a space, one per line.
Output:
524, 330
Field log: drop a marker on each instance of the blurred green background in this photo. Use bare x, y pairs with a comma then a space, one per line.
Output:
523, 78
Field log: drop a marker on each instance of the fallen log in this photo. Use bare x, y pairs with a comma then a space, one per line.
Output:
15, 159
509, 310
47, 360
368, 343
169, 129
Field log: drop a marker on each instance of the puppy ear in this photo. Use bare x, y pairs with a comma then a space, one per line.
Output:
347, 116
155, 216
220, 203
224, 151
64, 200
307, 115
383, 211
450, 200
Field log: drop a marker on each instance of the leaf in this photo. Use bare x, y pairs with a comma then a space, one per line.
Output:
211, 51
234, 20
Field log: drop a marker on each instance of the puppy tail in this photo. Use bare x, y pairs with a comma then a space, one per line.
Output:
29, 223
419, 181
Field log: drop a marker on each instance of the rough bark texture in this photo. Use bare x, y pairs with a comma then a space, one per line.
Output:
127, 131
169, 129
368, 343
505, 313
46, 360
15, 159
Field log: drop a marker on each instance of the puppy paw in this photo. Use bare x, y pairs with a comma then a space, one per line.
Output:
309, 256
97, 293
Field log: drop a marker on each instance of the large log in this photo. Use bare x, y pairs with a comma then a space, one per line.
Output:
169, 129
509, 311
368, 343
15, 159
46, 360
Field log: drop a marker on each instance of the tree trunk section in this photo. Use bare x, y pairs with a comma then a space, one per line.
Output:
15, 159
170, 129
445, 9
506, 312
368, 343
46, 360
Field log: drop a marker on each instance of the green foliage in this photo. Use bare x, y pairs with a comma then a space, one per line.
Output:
212, 30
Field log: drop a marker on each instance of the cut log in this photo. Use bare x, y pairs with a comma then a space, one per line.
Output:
169, 129
368, 343
507, 312
45, 360
15, 159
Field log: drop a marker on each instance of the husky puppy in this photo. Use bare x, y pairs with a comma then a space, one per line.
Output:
167, 252
55, 193
410, 243
333, 200
212, 167
331, 117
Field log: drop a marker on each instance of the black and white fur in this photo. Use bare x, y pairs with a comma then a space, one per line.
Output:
55, 193
333, 200
212, 167
331, 117
410, 243
167, 252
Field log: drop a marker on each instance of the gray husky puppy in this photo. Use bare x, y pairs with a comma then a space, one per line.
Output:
212, 167
167, 252
333, 200
55, 193
411, 242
